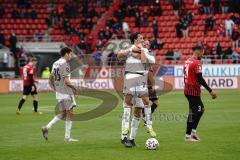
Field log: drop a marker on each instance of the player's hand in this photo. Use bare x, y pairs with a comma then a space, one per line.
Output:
136, 50
75, 92
213, 94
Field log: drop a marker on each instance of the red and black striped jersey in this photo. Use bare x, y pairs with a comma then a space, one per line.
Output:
192, 67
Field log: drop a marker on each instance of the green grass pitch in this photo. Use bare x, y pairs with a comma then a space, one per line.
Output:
21, 139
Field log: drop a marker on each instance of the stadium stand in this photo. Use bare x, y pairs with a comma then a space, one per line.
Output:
179, 24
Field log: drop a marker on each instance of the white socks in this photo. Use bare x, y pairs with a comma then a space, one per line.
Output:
53, 121
68, 127
134, 127
194, 131
125, 120
148, 119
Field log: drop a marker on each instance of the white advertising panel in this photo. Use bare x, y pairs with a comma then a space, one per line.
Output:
213, 82
213, 70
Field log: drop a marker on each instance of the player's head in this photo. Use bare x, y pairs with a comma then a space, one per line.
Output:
198, 51
147, 44
33, 61
66, 53
136, 38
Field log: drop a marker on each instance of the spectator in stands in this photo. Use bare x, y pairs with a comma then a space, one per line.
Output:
99, 43
169, 55
110, 22
89, 24
108, 33
15, 13
13, 43
92, 13
98, 57
33, 14
229, 26
2, 11
228, 52
209, 23
155, 28
216, 6
2, 38
206, 6
82, 45
137, 20
220, 30
85, 8
225, 6
177, 55
157, 44
234, 57
74, 9
81, 34
46, 73
196, 2
185, 29
101, 34
218, 50
234, 6
24, 4
67, 10
235, 37
176, 7
145, 19
83, 23
178, 27
126, 29
201, 9
67, 26
46, 37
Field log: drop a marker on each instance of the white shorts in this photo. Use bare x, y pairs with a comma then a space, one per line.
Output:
66, 104
137, 102
135, 85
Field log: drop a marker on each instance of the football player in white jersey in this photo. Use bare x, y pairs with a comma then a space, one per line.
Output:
135, 86
65, 91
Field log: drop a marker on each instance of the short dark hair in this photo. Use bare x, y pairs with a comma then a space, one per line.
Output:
64, 51
34, 59
133, 37
198, 47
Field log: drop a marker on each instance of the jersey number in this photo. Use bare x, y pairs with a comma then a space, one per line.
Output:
186, 71
57, 76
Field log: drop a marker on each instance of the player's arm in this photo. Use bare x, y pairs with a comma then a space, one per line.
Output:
202, 81
68, 82
51, 82
134, 51
35, 76
145, 56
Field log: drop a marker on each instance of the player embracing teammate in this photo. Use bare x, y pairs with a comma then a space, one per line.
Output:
135, 88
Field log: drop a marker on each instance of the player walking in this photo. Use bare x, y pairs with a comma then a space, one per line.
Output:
29, 86
60, 81
193, 80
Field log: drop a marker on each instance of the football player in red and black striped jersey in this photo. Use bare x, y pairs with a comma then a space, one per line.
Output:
29, 86
193, 81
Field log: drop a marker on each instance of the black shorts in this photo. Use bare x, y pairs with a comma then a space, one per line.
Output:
195, 103
29, 89
152, 95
